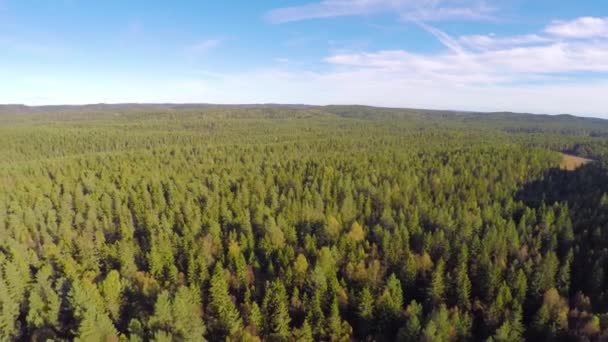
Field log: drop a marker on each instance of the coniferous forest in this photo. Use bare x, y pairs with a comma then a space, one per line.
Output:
296, 223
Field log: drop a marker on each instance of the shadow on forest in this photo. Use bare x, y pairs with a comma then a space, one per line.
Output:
583, 191
578, 188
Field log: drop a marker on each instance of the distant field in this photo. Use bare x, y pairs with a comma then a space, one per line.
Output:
570, 162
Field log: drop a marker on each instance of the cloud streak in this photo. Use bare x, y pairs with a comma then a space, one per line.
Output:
486, 42
580, 28
382, 88
489, 59
202, 47
479, 72
421, 10
474, 72
475, 11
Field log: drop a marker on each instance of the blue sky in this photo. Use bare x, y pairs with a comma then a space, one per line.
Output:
519, 55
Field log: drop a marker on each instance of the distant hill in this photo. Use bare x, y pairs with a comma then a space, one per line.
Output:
511, 122
506, 121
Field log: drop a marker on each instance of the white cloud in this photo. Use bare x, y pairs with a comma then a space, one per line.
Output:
481, 72
513, 64
584, 27
491, 41
444, 38
382, 88
427, 10
329, 9
487, 59
202, 47
356, 86
479, 11
535, 72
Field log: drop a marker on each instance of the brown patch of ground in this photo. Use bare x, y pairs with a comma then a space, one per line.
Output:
570, 162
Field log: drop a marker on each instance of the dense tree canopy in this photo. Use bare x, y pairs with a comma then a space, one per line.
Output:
320, 223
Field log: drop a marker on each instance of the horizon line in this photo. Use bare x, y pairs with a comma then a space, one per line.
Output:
275, 104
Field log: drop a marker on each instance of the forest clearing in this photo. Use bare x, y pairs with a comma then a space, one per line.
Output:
570, 162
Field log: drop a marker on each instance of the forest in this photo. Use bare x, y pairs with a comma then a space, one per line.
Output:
300, 223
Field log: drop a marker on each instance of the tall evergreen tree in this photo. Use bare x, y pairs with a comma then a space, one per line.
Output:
225, 319
276, 312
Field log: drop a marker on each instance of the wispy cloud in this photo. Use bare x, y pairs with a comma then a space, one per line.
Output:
328, 9
485, 72
444, 38
491, 41
426, 10
487, 58
202, 47
475, 11
584, 27
382, 87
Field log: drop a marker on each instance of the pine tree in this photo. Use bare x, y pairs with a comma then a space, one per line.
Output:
12, 293
225, 319
413, 326
44, 303
438, 327
304, 334
187, 315
339, 329
255, 319
461, 282
96, 326
111, 290
315, 315
520, 287
436, 289
365, 307
552, 317
163, 315
389, 306
300, 267
276, 312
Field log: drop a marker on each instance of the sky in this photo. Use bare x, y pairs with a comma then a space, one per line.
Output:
540, 56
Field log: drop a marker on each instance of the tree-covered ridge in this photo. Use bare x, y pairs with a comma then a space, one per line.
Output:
297, 224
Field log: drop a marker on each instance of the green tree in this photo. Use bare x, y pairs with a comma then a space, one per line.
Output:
12, 293
339, 329
436, 289
389, 306
413, 326
304, 334
163, 315
276, 312
96, 326
225, 319
300, 267
44, 303
187, 315
552, 317
111, 290
365, 306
